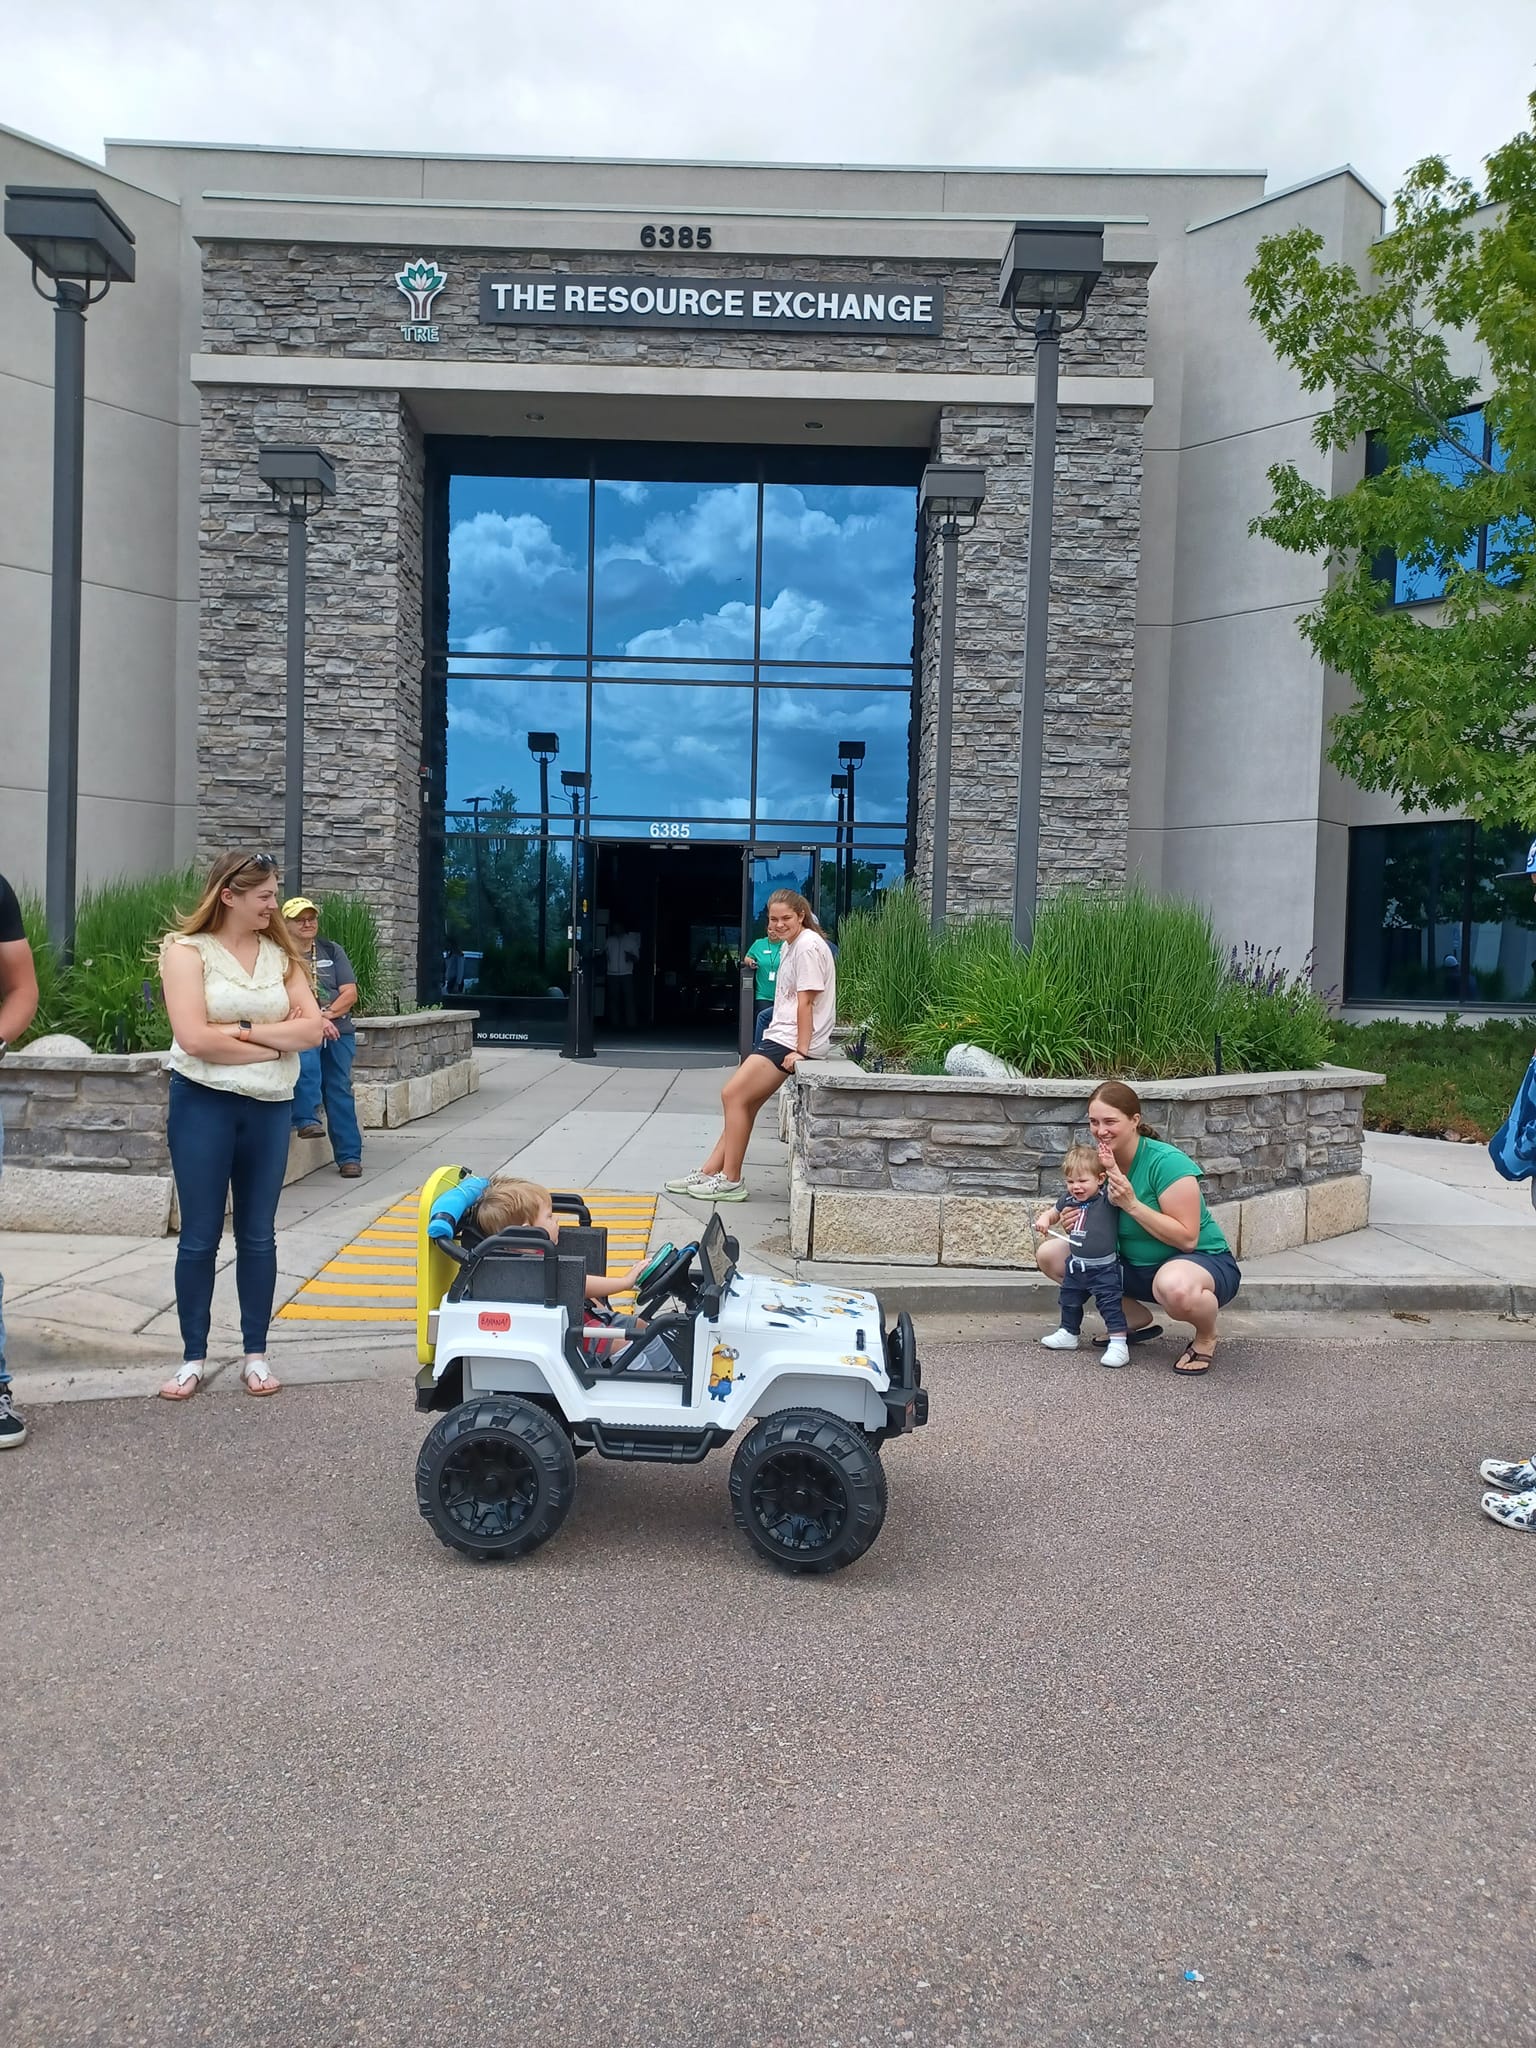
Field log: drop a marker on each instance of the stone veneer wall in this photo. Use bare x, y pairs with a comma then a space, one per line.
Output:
1095, 549
362, 812
909, 1169
105, 1113
340, 299
318, 299
408, 1066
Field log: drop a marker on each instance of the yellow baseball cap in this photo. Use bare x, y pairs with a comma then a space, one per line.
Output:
297, 905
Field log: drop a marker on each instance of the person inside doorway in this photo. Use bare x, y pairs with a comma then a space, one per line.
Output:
622, 950
804, 1011
763, 954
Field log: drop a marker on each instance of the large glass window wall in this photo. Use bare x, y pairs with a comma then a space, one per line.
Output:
701, 633
1432, 919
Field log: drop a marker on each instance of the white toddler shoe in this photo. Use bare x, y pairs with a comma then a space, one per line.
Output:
1060, 1340
1116, 1352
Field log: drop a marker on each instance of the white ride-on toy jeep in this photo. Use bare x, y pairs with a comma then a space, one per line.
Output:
530, 1381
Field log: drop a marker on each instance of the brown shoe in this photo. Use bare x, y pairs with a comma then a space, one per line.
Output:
351, 1169
311, 1130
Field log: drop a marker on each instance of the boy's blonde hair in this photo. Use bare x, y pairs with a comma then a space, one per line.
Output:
1083, 1159
509, 1203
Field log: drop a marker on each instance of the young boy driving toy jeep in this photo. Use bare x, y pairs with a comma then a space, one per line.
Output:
500, 1203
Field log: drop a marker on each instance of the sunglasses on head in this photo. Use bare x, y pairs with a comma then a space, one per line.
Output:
266, 862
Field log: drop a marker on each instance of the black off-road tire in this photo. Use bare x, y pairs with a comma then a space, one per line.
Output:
496, 1477
809, 1490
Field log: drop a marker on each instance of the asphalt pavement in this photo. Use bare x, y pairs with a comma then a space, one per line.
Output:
1143, 1678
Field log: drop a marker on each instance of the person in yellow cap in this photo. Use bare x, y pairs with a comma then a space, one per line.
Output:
327, 1071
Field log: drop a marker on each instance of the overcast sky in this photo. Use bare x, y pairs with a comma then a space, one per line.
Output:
1295, 88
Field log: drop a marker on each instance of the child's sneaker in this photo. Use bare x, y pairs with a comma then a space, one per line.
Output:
13, 1430
714, 1187
1060, 1340
1116, 1352
1514, 1510
1519, 1477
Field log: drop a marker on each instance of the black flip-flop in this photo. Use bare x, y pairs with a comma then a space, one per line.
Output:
1192, 1372
1142, 1336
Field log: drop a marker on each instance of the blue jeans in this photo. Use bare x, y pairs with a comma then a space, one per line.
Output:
327, 1070
221, 1144
763, 1020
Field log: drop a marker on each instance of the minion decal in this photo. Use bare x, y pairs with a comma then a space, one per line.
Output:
793, 1311
722, 1370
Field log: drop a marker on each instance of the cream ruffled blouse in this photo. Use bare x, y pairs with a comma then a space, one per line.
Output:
229, 994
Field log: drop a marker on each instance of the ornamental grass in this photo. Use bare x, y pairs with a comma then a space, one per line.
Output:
1117, 981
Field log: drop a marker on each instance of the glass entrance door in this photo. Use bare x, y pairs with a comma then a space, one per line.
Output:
768, 868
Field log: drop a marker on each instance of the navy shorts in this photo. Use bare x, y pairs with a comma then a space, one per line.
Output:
765, 1049
1222, 1267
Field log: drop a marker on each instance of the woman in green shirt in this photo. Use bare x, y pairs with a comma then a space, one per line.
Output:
1172, 1251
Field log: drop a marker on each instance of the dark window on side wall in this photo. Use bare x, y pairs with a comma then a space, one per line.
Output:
1429, 920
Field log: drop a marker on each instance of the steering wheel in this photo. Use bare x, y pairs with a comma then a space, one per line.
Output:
666, 1274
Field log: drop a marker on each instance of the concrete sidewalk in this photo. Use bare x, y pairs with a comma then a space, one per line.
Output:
92, 1315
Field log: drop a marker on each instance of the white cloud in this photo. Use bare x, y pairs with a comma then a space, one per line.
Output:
494, 553
1190, 82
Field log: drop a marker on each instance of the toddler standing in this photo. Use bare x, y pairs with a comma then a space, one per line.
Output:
1086, 1218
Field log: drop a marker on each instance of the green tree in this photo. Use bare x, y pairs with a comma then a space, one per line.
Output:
1445, 701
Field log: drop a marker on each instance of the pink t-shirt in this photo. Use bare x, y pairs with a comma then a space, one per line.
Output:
805, 964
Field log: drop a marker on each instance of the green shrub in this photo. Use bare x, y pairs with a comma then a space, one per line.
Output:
1440, 1077
1146, 972
1272, 1021
351, 922
885, 969
1118, 981
110, 995
35, 925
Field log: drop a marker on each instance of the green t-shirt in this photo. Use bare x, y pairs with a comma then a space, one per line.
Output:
764, 954
1157, 1166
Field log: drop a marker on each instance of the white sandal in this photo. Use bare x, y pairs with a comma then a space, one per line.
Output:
257, 1378
189, 1377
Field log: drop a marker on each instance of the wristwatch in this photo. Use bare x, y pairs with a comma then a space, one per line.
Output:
5, 1046
245, 1025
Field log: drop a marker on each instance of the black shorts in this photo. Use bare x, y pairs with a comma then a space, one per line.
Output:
1222, 1267
766, 1049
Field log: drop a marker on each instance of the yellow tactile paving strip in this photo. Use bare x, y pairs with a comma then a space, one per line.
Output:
373, 1279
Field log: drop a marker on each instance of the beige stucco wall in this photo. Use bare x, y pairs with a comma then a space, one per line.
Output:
138, 599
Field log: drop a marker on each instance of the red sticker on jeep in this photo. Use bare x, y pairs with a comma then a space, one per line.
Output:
495, 1319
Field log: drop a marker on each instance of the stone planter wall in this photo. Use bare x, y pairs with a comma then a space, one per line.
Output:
406, 1067
911, 1170
85, 1142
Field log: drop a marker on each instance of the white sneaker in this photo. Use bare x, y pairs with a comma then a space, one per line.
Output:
1116, 1352
714, 1187
687, 1184
1060, 1340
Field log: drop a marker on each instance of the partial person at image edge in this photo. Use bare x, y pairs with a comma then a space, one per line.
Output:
18, 1006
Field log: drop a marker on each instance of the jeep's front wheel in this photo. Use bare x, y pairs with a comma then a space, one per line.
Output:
809, 1490
496, 1478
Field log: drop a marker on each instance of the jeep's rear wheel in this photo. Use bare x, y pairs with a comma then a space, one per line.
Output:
809, 1490
496, 1478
